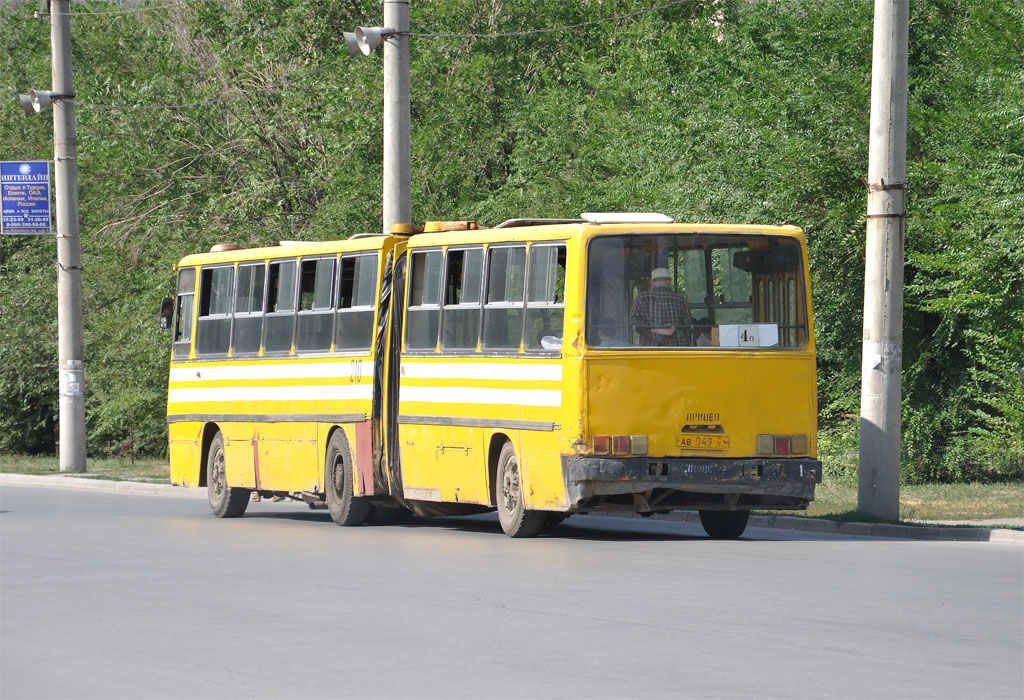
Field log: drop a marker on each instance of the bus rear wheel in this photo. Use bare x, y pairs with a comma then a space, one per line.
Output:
345, 508
724, 524
515, 519
225, 501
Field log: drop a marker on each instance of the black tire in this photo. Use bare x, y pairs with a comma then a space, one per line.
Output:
724, 524
515, 520
225, 501
346, 509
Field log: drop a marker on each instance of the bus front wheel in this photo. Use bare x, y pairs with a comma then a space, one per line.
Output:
724, 524
515, 519
225, 501
345, 508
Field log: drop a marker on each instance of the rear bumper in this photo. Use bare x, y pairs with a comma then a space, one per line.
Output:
689, 482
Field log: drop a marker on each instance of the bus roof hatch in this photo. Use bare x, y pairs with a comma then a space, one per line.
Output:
614, 217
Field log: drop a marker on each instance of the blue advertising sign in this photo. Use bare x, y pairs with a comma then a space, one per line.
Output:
25, 196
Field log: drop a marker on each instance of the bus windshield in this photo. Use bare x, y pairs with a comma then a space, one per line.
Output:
695, 290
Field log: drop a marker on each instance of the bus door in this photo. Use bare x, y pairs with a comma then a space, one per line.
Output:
394, 367
386, 362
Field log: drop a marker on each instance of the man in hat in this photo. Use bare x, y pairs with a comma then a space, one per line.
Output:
660, 315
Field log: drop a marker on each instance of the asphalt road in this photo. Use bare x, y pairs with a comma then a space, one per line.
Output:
120, 596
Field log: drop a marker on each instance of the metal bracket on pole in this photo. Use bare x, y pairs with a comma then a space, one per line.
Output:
880, 186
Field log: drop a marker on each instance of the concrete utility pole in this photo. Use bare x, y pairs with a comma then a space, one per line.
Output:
397, 149
69, 249
878, 488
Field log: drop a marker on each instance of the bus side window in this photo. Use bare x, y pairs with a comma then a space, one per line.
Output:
183, 311
357, 290
216, 285
503, 307
248, 326
280, 318
424, 301
460, 318
545, 297
316, 305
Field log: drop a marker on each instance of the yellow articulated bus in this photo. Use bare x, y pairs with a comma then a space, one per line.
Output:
540, 368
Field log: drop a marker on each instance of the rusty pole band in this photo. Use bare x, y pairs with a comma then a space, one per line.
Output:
882, 187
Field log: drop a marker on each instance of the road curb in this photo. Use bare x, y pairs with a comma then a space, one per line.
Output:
775, 522
139, 488
833, 527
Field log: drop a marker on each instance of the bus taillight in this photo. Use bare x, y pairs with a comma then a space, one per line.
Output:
638, 444
619, 444
781, 444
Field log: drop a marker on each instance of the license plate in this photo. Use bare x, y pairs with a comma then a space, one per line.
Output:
702, 442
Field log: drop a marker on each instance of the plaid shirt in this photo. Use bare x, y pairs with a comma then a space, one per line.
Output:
661, 308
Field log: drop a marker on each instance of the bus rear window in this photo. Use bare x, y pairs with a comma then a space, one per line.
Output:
695, 291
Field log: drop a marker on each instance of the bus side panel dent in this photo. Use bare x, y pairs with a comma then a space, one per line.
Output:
239, 454
543, 486
364, 459
185, 457
288, 456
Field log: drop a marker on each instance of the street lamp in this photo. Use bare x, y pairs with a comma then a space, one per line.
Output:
369, 38
69, 249
37, 100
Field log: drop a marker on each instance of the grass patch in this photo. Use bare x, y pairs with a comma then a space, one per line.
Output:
148, 470
838, 501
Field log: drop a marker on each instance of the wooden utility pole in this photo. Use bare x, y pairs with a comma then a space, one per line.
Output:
878, 489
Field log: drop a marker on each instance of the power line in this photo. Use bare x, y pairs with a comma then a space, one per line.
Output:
222, 98
425, 35
549, 30
439, 35
130, 11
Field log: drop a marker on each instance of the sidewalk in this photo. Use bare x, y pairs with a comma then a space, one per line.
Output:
140, 488
926, 530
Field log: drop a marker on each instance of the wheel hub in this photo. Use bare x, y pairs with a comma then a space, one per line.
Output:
510, 488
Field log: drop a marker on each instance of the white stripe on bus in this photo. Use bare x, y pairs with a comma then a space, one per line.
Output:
482, 370
272, 393
462, 395
263, 370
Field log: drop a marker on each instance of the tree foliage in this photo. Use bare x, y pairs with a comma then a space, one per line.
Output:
713, 110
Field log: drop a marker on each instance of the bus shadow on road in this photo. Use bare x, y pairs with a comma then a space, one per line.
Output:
577, 529
307, 515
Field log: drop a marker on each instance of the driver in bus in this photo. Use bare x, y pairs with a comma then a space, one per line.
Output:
661, 315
